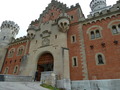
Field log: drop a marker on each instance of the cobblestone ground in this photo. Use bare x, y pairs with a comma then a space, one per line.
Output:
21, 86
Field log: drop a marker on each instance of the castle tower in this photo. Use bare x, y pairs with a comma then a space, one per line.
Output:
9, 30
98, 6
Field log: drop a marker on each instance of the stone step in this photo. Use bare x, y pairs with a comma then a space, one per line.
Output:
21, 86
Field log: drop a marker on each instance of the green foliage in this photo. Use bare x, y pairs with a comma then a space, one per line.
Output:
49, 87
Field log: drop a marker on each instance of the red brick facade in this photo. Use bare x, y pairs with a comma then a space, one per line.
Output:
15, 59
109, 70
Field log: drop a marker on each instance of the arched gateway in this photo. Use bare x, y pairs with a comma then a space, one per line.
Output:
45, 63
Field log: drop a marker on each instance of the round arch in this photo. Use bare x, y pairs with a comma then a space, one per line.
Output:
45, 63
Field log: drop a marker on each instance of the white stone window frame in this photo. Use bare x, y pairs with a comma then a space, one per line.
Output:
117, 28
73, 64
9, 53
71, 17
74, 38
20, 47
97, 61
89, 30
6, 70
14, 71
114, 23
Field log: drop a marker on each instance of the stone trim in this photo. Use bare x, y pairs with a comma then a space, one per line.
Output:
97, 28
15, 69
73, 61
6, 71
111, 24
21, 46
74, 38
96, 58
10, 56
83, 54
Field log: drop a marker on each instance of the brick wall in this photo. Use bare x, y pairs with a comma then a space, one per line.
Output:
15, 60
111, 51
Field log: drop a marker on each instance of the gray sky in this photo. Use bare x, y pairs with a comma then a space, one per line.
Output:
23, 12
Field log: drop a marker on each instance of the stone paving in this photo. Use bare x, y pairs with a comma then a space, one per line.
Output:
21, 86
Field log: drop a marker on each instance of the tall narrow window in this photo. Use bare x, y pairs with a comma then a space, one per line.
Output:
92, 35
4, 37
55, 36
73, 39
74, 61
100, 59
15, 69
114, 30
97, 34
6, 70
72, 17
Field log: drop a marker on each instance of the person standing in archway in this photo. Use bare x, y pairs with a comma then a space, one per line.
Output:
36, 75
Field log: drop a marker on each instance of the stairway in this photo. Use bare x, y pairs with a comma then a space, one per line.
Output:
21, 86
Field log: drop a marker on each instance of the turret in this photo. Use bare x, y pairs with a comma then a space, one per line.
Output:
63, 22
9, 30
98, 6
33, 27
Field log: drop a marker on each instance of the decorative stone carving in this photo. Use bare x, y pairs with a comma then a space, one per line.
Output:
45, 42
45, 33
63, 22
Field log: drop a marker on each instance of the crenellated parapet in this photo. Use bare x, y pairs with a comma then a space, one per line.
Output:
19, 40
72, 7
10, 25
9, 30
54, 3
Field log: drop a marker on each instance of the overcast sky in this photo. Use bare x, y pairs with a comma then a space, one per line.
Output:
23, 12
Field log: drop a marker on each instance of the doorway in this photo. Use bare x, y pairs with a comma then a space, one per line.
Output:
45, 63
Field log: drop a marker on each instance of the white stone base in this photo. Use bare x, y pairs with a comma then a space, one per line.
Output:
110, 84
65, 84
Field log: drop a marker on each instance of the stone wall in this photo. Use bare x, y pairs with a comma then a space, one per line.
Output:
110, 84
15, 78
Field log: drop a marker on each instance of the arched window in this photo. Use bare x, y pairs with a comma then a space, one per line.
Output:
15, 70
11, 52
100, 59
92, 35
119, 27
97, 34
6, 70
20, 50
114, 30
